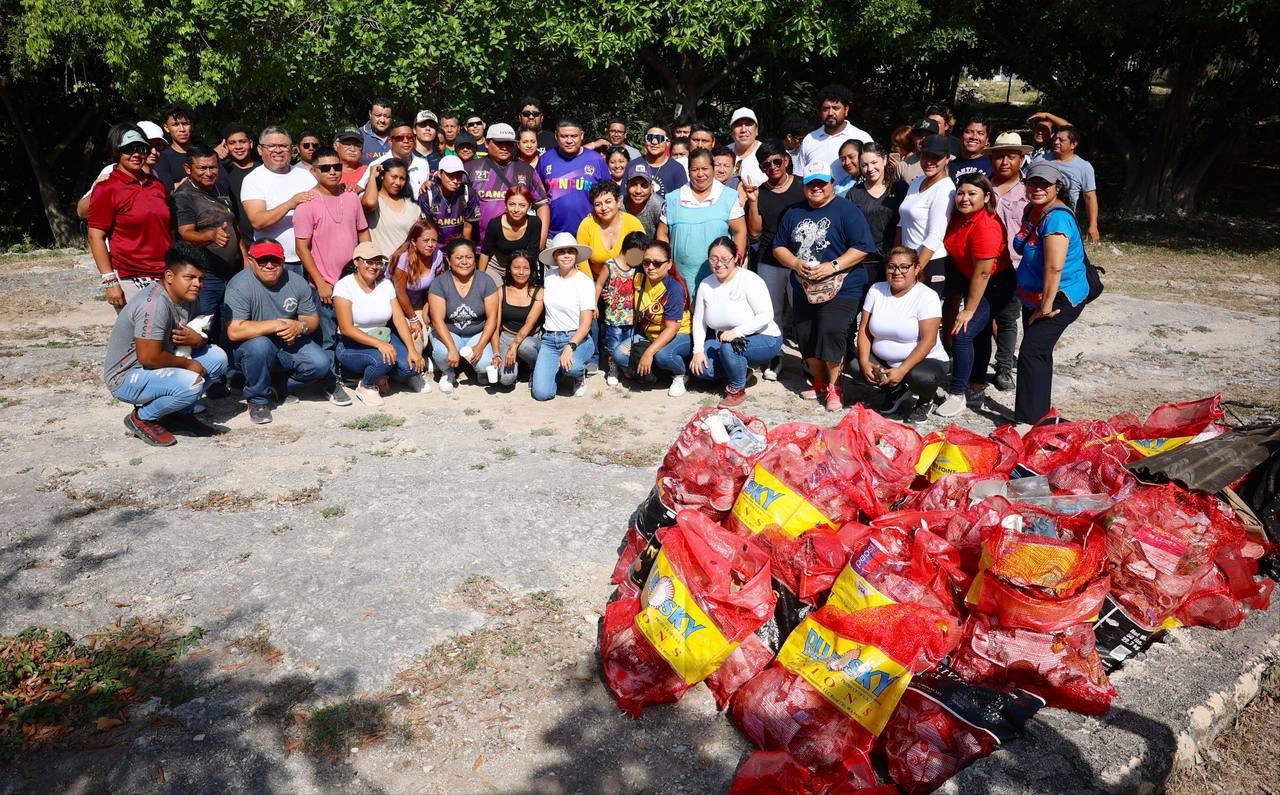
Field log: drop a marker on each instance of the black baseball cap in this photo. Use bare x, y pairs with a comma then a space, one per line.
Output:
928, 126
937, 145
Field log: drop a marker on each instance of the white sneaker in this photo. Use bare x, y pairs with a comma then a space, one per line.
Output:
369, 395
612, 380
579, 386
418, 383
771, 372
953, 405
677, 386
448, 380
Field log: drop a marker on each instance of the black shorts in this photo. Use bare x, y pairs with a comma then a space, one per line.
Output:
935, 276
821, 329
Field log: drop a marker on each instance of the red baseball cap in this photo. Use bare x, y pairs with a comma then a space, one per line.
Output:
267, 248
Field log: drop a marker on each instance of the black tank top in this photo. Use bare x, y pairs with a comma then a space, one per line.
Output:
514, 317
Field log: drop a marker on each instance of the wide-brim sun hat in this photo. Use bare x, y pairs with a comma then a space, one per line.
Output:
1007, 142
561, 241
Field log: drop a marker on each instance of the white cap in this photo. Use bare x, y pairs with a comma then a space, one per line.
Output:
500, 132
152, 130
743, 113
451, 164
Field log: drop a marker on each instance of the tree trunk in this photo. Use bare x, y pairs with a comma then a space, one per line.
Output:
64, 227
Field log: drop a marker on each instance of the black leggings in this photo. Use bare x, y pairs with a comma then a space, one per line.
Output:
1035, 360
924, 379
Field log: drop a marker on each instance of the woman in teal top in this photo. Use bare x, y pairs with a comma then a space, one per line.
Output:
698, 213
1052, 285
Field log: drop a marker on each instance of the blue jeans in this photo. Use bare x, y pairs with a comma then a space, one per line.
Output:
170, 390
328, 331
971, 349
526, 354
365, 361
209, 302
615, 336
726, 364
440, 351
302, 359
673, 358
547, 369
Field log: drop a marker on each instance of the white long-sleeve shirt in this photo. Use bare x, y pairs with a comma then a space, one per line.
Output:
742, 306
821, 152
923, 216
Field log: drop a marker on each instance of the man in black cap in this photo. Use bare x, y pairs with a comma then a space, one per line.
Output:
348, 142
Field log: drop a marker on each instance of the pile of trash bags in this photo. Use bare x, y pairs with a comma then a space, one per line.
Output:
861, 590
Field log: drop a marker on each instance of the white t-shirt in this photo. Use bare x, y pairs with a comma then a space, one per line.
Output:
742, 306
749, 167
103, 174
564, 300
369, 310
418, 168
274, 189
923, 216
685, 196
895, 322
821, 152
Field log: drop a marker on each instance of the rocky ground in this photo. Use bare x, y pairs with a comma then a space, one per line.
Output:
433, 573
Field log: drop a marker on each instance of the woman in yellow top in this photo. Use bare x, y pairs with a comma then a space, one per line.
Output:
663, 322
604, 229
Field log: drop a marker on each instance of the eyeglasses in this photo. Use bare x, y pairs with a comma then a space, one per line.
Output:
402, 137
328, 168
274, 147
530, 114
899, 267
721, 260
653, 263
655, 138
775, 162
308, 146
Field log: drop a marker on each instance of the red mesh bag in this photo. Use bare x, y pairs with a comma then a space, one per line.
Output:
707, 591
1099, 469
1049, 445
1227, 591
902, 562
837, 679
1061, 666
888, 450
777, 773
1035, 580
953, 493
1011, 447
1172, 420
961, 450
808, 565
801, 482
709, 461
750, 658
1161, 542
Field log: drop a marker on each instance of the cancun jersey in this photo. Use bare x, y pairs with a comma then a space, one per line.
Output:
490, 183
567, 182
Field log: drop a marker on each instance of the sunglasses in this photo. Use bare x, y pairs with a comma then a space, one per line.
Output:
655, 138
328, 168
308, 146
270, 262
530, 114
653, 263
381, 262
403, 137
137, 149
476, 123
775, 162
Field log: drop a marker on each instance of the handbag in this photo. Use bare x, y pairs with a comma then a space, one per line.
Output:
820, 291
638, 348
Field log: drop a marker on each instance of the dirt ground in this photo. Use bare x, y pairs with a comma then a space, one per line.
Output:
434, 572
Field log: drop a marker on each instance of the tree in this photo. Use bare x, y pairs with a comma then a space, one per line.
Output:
1171, 89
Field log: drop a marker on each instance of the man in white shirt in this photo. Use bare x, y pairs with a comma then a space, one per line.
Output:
746, 133
273, 190
820, 150
403, 140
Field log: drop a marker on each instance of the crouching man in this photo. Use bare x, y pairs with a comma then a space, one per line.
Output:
142, 366
273, 316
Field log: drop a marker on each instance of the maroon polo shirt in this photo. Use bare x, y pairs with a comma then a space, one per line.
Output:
135, 215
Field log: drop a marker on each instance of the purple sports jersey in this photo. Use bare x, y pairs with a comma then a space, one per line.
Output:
567, 183
448, 214
490, 183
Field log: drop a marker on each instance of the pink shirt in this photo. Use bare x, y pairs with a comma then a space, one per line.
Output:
331, 223
1010, 207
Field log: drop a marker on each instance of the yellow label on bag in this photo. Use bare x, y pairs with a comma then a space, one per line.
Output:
851, 592
765, 500
859, 679
950, 460
1150, 447
678, 628
929, 453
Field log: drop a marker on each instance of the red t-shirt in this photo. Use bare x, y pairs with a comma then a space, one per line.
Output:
135, 215
976, 237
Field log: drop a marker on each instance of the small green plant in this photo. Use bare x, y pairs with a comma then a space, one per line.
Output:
73, 363
471, 412
505, 453
544, 431
133, 462
333, 511
280, 529
477, 467
332, 730
546, 600
486, 424
513, 649
373, 422
470, 662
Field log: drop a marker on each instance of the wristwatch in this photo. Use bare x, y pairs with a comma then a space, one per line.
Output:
303, 323
573, 346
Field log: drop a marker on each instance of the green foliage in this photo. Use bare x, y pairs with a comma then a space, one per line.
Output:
51, 686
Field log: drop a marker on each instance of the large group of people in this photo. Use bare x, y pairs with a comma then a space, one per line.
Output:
446, 250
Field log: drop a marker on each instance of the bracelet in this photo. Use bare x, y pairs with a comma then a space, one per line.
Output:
110, 279
413, 320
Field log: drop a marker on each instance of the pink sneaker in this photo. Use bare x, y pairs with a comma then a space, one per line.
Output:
814, 391
368, 395
835, 398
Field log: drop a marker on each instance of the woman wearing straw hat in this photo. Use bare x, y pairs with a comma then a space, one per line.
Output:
569, 306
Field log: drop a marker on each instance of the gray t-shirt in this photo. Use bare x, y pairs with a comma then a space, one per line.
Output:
650, 214
249, 299
464, 316
1079, 176
150, 315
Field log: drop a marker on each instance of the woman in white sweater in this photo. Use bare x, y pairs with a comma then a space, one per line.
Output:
923, 216
734, 303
